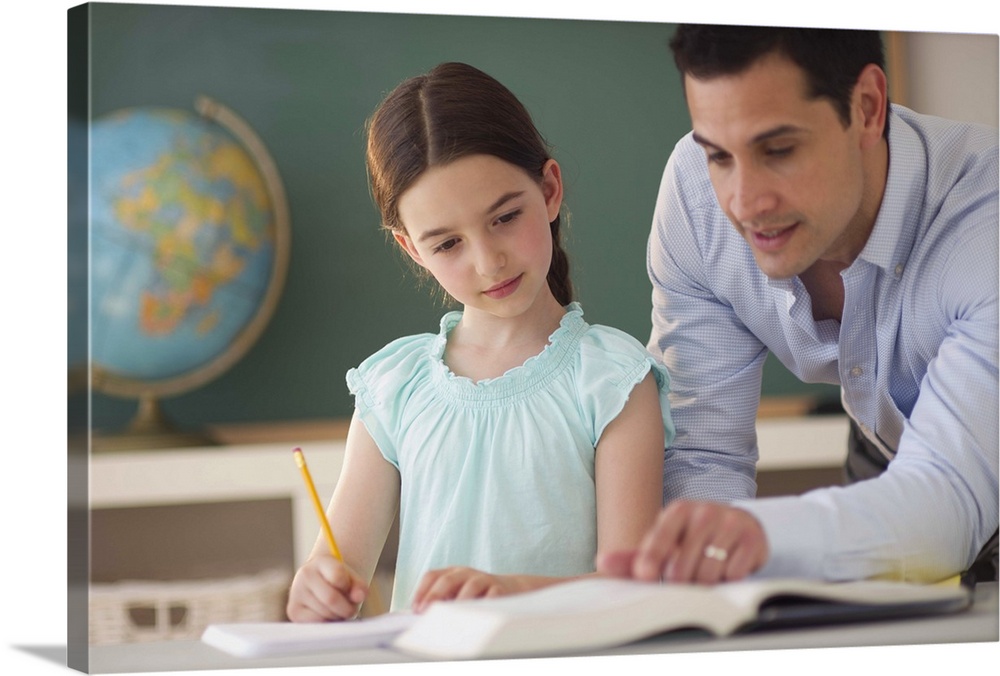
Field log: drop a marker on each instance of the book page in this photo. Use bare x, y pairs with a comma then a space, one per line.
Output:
585, 614
572, 598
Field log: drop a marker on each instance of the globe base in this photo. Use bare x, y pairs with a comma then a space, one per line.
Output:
149, 429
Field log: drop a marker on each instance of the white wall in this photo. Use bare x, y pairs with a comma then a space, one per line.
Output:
953, 75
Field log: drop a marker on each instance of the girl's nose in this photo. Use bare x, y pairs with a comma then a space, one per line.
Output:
490, 260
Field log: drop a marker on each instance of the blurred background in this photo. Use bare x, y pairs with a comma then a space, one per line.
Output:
604, 93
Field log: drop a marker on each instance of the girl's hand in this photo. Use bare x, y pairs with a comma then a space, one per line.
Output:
465, 583
325, 589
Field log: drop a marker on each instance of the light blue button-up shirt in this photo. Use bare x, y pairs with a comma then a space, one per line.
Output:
915, 356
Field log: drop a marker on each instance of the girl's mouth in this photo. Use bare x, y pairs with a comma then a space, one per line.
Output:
504, 288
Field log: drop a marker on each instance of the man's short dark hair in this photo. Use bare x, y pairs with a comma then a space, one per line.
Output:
831, 58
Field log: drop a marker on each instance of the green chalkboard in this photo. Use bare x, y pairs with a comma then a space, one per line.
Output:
604, 93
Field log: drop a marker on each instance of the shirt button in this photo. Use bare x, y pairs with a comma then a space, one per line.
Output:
857, 371
899, 270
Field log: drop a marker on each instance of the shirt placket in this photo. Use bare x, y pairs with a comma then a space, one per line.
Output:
858, 361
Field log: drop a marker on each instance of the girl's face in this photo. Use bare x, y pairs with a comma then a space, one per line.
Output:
480, 226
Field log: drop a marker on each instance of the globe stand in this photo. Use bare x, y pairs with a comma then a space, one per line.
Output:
150, 429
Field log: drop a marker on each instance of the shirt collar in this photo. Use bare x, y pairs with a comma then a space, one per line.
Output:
901, 210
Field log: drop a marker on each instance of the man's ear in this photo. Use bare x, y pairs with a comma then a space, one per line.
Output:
871, 103
552, 188
406, 244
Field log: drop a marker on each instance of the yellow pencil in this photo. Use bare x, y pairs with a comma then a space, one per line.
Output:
300, 460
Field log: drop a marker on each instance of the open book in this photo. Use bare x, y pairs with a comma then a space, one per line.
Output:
594, 613
591, 614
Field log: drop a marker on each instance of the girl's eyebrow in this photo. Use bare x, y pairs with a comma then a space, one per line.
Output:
503, 199
506, 197
431, 234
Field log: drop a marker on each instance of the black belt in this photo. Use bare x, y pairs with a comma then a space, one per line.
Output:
864, 459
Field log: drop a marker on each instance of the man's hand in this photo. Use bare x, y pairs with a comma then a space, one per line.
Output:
700, 542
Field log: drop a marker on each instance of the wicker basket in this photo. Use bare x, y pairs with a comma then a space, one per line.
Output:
133, 611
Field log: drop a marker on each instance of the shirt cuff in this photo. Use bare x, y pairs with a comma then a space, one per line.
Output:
795, 539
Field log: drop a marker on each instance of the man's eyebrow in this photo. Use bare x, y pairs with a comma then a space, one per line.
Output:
780, 130
701, 140
503, 199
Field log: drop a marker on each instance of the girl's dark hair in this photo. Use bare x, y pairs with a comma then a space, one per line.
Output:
453, 111
832, 59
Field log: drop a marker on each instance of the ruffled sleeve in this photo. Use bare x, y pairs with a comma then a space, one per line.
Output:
382, 386
612, 363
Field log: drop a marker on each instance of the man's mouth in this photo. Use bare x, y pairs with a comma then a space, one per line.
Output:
772, 239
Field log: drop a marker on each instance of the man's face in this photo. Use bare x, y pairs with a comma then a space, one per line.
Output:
785, 170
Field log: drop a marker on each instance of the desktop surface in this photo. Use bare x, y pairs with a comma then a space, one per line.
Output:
980, 623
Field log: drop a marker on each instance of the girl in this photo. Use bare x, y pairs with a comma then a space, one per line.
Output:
518, 440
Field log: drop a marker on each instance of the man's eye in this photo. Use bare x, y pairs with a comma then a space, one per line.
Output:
780, 151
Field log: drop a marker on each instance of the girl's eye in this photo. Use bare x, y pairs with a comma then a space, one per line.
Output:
446, 246
509, 217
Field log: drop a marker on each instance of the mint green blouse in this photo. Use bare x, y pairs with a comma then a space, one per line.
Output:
498, 474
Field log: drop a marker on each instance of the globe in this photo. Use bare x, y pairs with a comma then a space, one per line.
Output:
189, 248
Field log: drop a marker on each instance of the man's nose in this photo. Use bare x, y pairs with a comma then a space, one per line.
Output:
751, 193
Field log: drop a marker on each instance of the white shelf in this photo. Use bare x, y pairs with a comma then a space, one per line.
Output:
806, 442
216, 474
248, 471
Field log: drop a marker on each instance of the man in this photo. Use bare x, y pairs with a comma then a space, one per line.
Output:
857, 241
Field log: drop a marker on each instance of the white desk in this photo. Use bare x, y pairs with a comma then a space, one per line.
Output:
978, 624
